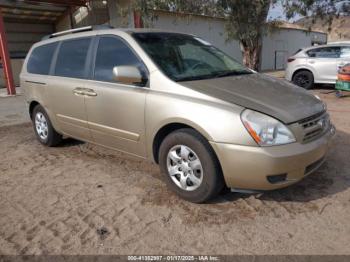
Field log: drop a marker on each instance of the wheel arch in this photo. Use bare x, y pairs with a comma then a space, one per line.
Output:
170, 127
303, 69
32, 105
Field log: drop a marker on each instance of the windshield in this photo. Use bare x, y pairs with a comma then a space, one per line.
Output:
187, 58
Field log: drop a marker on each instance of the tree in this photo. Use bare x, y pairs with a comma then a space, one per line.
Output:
246, 21
204, 7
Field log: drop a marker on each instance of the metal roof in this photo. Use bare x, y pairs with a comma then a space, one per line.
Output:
36, 11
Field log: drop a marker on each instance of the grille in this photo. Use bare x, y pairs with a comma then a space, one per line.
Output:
315, 126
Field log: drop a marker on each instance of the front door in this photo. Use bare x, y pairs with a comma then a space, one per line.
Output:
116, 112
66, 85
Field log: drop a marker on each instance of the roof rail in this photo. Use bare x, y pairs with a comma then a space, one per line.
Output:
338, 42
78, 30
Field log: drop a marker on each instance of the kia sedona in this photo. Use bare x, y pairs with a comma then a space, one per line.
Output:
174, 99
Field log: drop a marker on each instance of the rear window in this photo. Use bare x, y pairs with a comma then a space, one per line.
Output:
71, 59
297, 52
40, 59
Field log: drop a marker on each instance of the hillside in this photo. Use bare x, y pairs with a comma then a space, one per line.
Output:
340, 30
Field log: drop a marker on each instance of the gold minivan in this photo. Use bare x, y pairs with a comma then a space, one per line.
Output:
175, 99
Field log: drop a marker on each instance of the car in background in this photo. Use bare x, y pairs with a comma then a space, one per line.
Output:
317, 65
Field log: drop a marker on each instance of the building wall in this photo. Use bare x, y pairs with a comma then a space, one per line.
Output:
282, 43
16, 65
278, 45
63, 24
96, 14
20, 38
120, 14
210, 29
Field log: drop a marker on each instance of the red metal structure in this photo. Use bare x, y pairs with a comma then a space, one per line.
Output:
59, 2
5, 59
137, 20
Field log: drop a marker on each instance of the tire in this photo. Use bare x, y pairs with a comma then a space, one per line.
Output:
43, 128
304, 79
189, 145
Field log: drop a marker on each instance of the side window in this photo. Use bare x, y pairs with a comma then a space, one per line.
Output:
325, 52
40, 59
71, 58
112, 52
345, 52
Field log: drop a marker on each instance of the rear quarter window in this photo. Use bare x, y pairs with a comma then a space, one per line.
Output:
40, 59
345, 52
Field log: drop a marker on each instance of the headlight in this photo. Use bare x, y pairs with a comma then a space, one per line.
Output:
265, 130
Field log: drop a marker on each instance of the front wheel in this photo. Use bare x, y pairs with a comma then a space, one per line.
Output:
304, 79
190, 165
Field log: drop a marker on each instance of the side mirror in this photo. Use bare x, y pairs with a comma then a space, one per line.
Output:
129, 75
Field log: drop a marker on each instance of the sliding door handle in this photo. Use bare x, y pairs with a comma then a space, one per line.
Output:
79, 91
90, 92
84, 91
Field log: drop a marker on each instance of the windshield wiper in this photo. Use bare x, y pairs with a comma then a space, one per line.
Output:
193, 78
213, 75
231, 73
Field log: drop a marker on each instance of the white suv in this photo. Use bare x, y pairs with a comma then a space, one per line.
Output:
317, 64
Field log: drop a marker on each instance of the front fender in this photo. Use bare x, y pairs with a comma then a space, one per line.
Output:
217, 122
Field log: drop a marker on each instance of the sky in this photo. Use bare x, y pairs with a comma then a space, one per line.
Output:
276, 12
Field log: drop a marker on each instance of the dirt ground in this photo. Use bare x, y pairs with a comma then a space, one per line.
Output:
82, 199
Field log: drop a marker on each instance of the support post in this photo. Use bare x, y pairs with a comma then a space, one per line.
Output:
5, 59
137, 20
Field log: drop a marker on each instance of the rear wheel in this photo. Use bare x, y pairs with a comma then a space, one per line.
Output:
304, 79
43, 128
190, 166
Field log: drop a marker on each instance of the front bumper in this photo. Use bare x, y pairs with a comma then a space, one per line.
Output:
248, 167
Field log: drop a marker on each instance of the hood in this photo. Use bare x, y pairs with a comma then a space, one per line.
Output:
262, 93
